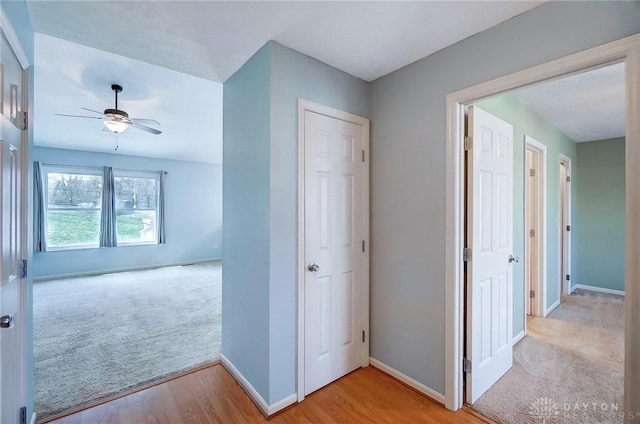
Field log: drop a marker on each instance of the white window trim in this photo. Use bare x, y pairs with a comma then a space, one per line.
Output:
65, 169
98, 171
128, 173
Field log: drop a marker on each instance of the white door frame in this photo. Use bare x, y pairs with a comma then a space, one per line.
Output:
565, 259
540, 286
625, 50
303, 106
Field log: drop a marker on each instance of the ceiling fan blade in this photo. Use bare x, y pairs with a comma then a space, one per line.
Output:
80, 116
91, 110
145, 128
145, 121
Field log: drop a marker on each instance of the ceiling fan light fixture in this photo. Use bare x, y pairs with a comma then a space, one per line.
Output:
115, 126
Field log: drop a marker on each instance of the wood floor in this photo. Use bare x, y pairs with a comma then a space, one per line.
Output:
211, 395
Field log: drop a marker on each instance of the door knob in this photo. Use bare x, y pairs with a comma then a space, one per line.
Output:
313, 267
6, 321
514, 259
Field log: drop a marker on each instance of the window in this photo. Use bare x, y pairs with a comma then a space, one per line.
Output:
73, 206
73, 203
136, 207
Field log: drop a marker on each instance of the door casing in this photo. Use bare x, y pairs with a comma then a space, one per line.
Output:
539, 286
626, 50
564, 206
305, 105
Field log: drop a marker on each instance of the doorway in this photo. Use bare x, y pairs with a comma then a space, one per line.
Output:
333, 253
627, 51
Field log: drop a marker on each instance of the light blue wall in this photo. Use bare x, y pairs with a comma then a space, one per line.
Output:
246, 225
408, 167
599, 230
193, 197
260, 204
526, 122
293, 76
18, 15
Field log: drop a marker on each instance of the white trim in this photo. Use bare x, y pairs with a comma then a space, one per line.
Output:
12, 39
281, 404
427, 391
33, 418
551, 308
541, 284
266, 409
246, 386
625, 50
563, 283
305, 105
597, 289
114, 270
518, 337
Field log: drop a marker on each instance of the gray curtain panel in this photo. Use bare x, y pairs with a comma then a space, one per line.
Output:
162, 238
108, 234
40, 232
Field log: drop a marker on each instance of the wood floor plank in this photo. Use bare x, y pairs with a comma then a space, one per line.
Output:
211, 395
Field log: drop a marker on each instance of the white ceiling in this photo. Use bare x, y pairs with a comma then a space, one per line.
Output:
166, 55
183, 46
212, 39
584, 107
69, 76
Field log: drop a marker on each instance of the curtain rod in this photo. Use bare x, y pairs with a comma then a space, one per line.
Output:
96, 167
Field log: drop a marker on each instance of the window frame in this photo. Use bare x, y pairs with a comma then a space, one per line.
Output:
69, 170
99, 172
154, 175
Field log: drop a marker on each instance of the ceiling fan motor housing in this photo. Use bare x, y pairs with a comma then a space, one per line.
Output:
116, 112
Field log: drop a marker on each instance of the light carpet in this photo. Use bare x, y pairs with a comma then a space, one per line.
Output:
569, 368
98, 336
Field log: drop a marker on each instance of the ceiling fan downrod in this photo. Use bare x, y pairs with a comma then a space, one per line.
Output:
116, 89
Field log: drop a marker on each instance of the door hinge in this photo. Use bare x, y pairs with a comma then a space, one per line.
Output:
532, 172
22, 120
466, 365
466, 254
363, 333
363, 156
363, 245
23, 268
532, 233
568, 178
468, 143
532, 294
23, 415
567, 277
568, 227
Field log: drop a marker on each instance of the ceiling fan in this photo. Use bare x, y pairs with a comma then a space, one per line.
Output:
116, 120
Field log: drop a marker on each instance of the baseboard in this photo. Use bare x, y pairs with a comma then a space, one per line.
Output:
282, 404
33, 419
597, 289
416, 385
115, 270
518, 337
266, 409
551, 308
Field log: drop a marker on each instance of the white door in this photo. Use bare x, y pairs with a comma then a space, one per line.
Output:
334, 258
12, 331
490, 236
